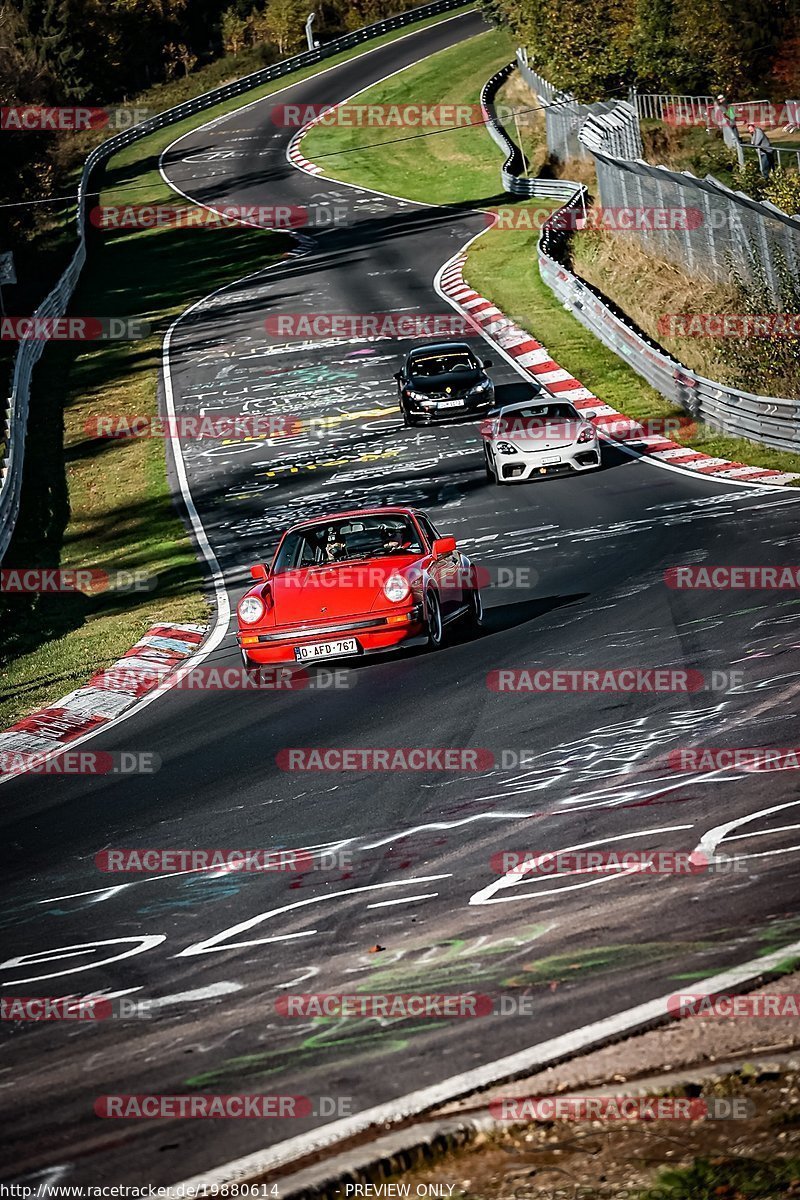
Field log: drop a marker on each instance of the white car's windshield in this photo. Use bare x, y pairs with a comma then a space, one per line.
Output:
530, 413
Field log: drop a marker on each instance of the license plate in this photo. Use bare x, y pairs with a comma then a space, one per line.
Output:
450, 404
549, 459
326, 650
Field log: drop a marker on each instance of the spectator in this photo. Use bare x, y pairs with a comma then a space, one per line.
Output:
730, 134
763, 146
720, 115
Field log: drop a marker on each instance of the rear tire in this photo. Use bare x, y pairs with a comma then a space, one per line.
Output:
435, 625
474, 619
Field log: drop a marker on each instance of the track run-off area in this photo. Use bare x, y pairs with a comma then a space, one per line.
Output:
405, 895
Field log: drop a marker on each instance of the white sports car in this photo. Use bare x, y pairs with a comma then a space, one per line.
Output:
536, 438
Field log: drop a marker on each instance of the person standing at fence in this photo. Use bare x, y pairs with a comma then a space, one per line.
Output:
721, 115
763, 147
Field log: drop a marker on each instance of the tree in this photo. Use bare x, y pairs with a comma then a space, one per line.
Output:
734, 42
282, 23
178, 54
235, 31
50, 38
661, 62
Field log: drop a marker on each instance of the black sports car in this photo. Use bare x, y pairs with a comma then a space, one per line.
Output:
443, 380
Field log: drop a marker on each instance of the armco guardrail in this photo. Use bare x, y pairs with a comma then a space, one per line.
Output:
773, 420
514, 182
56, 302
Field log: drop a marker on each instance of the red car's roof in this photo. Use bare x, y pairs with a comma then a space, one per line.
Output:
354, 512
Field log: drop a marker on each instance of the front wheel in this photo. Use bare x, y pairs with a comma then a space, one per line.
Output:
493, 471
408, 420
435, 627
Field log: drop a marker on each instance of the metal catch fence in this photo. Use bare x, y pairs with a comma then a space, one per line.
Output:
772, 420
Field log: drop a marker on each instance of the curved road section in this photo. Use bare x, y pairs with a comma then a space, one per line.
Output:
404, 891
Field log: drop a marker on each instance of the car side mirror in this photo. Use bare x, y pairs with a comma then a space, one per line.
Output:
443, 545
588, 416
487, 362
398, 375
260, 572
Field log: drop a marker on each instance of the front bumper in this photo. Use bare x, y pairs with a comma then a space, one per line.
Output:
469, 407
522, 467
375, 633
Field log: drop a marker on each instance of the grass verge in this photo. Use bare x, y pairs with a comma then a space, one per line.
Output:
102, 504
437, 166
461, 166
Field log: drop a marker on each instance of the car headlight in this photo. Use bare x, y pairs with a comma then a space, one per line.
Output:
251, 609
396, 588
412, 395
483, 386
587, 435
507, 448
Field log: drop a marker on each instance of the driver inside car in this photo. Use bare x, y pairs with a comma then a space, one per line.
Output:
335, 548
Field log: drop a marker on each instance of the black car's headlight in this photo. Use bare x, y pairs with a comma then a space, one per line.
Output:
481, 389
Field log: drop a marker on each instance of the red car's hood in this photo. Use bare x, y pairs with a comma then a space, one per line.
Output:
335, 591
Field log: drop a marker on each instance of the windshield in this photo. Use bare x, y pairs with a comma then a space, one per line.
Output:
346, 540
533, 413
429, 366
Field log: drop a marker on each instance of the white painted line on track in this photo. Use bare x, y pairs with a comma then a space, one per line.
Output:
403, 900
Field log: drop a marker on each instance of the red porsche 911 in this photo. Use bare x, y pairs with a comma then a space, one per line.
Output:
356, 583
